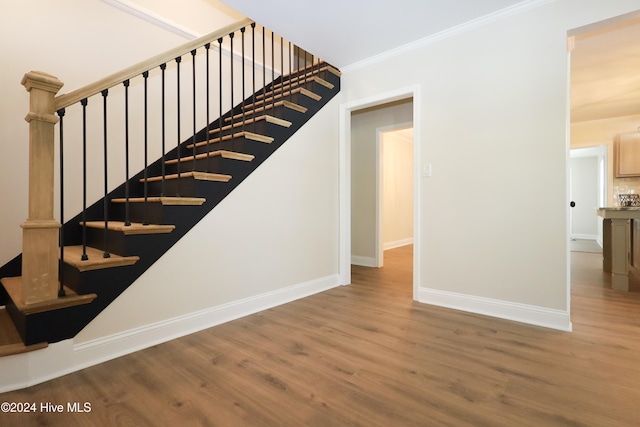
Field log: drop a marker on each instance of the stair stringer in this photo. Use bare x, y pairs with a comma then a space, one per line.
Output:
281, 222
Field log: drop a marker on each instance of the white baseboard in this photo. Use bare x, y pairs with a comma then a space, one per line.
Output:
534, 315
398, 243
363, 261
65, 357
585, 236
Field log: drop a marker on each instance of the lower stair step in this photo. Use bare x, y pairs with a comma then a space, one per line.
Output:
13, 286
134, 228
247, 135
225, 154
10, 341
200, 176
96, 259
165, 201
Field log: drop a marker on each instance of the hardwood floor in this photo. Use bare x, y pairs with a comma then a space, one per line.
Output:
367, 355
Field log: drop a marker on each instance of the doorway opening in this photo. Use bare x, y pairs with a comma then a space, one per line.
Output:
369, 129
603, 57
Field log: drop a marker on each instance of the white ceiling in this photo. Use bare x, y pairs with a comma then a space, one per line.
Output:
344, 32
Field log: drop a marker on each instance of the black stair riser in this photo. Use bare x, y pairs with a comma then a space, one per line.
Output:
154, 212
50, 326
118, 243
212, 164
240, 145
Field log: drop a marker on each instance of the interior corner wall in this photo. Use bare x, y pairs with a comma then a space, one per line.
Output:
364, 128
493, 125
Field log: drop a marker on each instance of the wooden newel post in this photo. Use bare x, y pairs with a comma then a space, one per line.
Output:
40, 252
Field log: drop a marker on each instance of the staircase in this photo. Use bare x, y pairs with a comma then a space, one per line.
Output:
112, 242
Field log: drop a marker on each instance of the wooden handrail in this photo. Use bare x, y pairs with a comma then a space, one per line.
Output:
67, 99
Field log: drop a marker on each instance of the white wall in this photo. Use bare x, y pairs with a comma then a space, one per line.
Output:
494, 127
397, 189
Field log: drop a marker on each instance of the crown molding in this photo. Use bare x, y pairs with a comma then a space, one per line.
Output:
450, 32
150, 17
161, 22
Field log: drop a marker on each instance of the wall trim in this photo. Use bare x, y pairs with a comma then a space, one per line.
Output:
523, 313
398, 243
450, 32
65, 357
152, 18
364, 261
168, 25
584, 236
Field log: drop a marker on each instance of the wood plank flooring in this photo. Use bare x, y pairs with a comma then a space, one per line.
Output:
367, 355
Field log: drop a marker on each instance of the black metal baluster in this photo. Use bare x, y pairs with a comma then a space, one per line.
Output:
207, 47
231, 87
290, 74
242, 30
220, 89
127, 220
273, 74
282, 67
253, 71
163, 67
312, 69
106, 253
264, 72
298, 66
304, 67
145, 220
84, 103
193, 76
61, 291
178, 60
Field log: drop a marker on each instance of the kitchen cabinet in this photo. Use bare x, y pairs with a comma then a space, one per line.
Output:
627, 154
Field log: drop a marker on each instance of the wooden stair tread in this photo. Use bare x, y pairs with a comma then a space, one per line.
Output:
247, 135
307, 78
218, 153
270, 97
323, 66
10, 340
165, 201
334, 71
96, 261
323, 82
201, 176
265, 117
288, 104
13, 286
134, 228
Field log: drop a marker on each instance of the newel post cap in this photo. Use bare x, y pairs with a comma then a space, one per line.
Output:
41, 80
